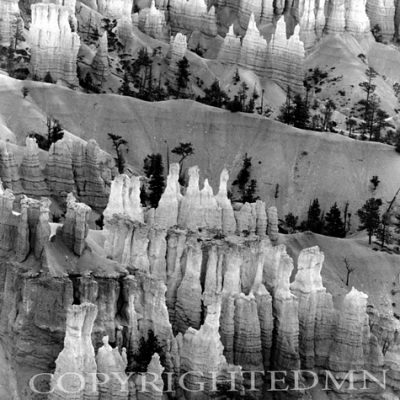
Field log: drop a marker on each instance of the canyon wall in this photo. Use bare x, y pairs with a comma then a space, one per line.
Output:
211, 282
54, 44
72, 167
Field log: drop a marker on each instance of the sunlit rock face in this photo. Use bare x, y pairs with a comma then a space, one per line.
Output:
112, 364
75, 228
77, 357
10, 21
177, 50
201, 350
192, 15
357, 21
32, 177
286, 57
354, 347
316, 312
382, 13
54, 46
152, 22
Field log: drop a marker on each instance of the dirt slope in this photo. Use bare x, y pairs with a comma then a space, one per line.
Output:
304, 164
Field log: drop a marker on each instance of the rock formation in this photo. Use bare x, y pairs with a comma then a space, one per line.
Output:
32, 178
152, 22
75, 228
90, 185
125, 198
253, 53
336, 20
230, 49
382, 13
316, 313
166, 214
8, 220
76, 365
33, 228
353, 343
10, 22
59, 172
357, 21
100, 64
177, 50
192, 15
201, 350
54, 46
9, 170
286, 58
153, 391
111, 366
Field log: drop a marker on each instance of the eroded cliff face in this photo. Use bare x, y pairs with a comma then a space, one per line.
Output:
54, 44
218, 298
10, 21
72, 167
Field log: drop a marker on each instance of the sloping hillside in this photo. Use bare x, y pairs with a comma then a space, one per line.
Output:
375, 273
304, 164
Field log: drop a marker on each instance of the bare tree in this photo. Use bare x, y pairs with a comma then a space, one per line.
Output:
349, 270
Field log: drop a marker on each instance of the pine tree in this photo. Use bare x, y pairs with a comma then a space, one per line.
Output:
301, 113
182, 78
334, 225
154, 171
369, 215
315, 221
286, 111
147, 348
247, 187
214, 95
330, 106
48, 78
291, 222
184, 150
119, 144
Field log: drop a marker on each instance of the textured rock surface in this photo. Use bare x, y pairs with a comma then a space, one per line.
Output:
177, 50
357, 21
59, 172
166, 214
153, 391
54, 46
112, 364
353, 341
75, 228
125, 199
32, 178
91, 187
9, 20
316, 313
33, 227
253, 53
382, 13
152, 22
100, 64
228, 216
201, 350
77, 357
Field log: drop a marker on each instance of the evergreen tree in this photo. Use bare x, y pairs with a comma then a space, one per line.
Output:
184, 150
48, 78
369, 215
247, 187
125, 88
242, 93
330, 107
214, 95
315, 221
291, 222
147, 348
182, 78
286, 111
334, 225
154, 170
369, 88
301, 113
119, 145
